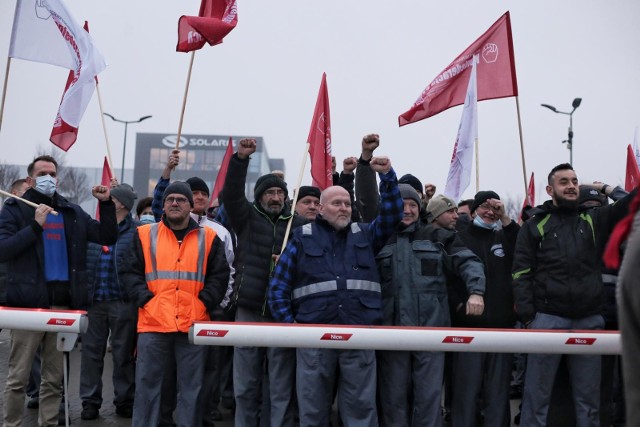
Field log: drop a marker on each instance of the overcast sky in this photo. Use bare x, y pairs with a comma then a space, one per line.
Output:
378, 56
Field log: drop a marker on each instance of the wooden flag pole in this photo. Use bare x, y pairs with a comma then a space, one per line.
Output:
295, 197
35, 205
477, 166
104, 128
524, 167
4, 89
184, 99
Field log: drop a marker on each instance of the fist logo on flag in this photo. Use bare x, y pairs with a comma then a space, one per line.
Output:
490, 53
41, 10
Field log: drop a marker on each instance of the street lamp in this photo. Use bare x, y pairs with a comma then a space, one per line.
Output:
124, 147
575, 104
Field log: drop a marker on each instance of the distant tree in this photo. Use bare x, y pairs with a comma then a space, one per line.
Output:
513, 206
72, 183
8, 174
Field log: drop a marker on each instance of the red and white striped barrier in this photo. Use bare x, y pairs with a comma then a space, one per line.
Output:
39, 319
405, 338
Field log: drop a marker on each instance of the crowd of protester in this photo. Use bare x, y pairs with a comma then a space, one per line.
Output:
373, 249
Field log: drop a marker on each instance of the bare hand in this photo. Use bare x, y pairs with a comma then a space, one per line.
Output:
114, 182
41, 214
429, 190
246, 147
174, 159
349, 165
381, 165
475, 305
101, 192
333, 164
369, 144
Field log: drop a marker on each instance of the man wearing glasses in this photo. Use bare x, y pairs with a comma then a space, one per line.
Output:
492, 236
177, 274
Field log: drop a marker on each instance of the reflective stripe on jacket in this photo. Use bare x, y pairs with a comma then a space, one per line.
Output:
175, 275
338, 282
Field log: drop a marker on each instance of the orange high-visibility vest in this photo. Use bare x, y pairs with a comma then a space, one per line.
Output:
175, 275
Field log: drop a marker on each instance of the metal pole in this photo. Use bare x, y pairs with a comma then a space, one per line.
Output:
570, 142
124, 150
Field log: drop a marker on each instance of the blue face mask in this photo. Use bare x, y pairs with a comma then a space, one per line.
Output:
147, 219
46, 185
480, 223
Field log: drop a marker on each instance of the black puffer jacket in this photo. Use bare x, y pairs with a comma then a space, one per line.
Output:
259, 237
557, 267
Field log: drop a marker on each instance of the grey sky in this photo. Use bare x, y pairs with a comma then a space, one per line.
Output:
378, 56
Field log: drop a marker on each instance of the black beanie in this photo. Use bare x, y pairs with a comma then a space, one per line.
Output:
481, 197
307, 190
412, 181
588, 193
267, 181
198, 184
178, 187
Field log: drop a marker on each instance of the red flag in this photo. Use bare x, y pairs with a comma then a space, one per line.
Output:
222, 173
633, 172
496, 75
215, 20
320, 140
530, 198
107, 175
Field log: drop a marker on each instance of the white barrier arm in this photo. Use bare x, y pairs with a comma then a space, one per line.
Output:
404, 338
39, 319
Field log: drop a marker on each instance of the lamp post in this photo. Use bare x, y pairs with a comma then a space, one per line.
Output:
575, 104
124, 147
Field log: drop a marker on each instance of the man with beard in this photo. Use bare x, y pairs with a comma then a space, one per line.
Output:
558, 285
327, 275
260, 228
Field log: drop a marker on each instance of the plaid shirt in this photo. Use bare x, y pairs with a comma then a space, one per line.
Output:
382, 227
156, 204
107, 288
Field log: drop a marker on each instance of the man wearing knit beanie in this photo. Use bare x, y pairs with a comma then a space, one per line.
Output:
260, 226
125, 194
414, 267
491, 236
444, 212
200, 203
308, 202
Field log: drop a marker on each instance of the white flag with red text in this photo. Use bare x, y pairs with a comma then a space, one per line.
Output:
462, 160
45, 31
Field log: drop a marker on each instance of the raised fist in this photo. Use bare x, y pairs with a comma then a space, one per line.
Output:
246, 147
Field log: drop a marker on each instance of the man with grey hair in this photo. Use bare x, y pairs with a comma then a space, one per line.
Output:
327, 275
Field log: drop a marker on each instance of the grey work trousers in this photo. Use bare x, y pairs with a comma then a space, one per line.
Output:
248, 368
584, 372
151, 368
402, 374
354, 371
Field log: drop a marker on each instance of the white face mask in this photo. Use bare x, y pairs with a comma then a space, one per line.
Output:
147, 219
46, 185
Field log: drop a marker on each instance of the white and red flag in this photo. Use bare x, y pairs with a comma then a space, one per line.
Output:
222, 173
632, 178
461, 162
215, 20
320, 140
45, 31
496, 75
